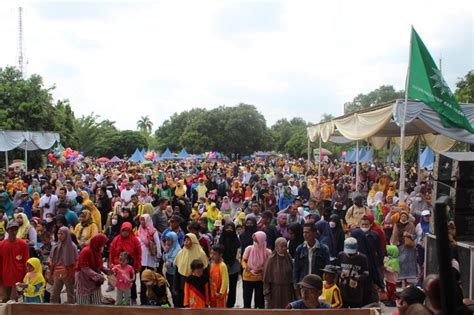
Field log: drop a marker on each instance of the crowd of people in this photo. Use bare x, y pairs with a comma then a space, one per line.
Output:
182, 234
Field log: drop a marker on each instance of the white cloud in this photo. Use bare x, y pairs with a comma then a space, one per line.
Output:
289, 58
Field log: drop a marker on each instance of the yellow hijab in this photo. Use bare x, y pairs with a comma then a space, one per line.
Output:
186, 256
33, 278
23, 229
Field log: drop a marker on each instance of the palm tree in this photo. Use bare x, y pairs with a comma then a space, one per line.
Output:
144, 124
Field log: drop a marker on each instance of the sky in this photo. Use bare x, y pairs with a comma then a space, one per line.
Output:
126, 59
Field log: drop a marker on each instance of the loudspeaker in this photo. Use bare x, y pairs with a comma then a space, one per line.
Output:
454, 166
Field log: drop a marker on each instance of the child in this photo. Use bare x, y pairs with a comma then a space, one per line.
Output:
33, 283
171, 250
125, 276
391, 270
196, 287
3, 223
219, 278
331, 292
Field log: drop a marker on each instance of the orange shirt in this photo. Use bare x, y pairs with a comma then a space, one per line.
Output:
193, 298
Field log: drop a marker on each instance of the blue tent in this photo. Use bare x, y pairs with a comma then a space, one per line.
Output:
183, 154
137, 156
427, 158
395, 153
350, 156
143, 151
167, 155
368, 156
362, 153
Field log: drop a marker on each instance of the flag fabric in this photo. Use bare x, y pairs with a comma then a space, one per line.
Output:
426, 83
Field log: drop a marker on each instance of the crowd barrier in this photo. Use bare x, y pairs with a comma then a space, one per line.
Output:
64, 309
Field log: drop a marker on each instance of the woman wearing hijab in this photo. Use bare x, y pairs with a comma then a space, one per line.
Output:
325, 237
157, 289
26, 232
104, 205
277, 277
295, 237
192, 250
246, 236
172, 250
374, 227
151, 249
89, 277
403, 236
337, 232
85, 229
231, 243
127, 242
63, 258
226, 208
253, 263
95, 213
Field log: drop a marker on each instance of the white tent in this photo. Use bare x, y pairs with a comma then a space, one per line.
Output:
381, 124
26, 140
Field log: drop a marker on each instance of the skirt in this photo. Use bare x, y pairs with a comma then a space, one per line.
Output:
408, 263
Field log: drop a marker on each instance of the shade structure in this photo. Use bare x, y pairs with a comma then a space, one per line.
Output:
427, 158
323, 151
26, 140
183, 155
167, 155
102, 159
137, 156
378, 124
115, 159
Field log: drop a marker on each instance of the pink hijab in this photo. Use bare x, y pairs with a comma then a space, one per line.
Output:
145, 234
258, 253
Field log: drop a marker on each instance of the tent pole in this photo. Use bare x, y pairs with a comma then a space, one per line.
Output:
26, 157
390, 150
309, 154
6, 161
357, 164
401, 192
418, 174
319, 160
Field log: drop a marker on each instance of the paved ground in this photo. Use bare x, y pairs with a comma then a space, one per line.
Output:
239, 303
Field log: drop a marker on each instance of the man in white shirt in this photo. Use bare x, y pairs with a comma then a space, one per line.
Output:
71, 193
47, 203
127, 194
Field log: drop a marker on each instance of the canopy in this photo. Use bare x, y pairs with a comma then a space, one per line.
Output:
102, 159
115, 159
26, 140
183, 154
167, 155
137, 156
378, 124
427, 158
29, 140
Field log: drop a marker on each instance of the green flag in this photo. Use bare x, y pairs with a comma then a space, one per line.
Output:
426, 83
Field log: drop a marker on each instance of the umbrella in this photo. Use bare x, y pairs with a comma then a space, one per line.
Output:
18, 163
102, 160
323, 151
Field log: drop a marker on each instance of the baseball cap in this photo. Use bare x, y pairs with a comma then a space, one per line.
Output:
12, 224
350, 245
312, 282
330, 269
425, 213
412, 295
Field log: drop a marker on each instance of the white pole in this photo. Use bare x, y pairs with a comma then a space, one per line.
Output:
402, 130
26, 157
6, 161
319, 159
357, 164
309, 155
418, 177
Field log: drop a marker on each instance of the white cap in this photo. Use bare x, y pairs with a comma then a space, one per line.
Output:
425, 213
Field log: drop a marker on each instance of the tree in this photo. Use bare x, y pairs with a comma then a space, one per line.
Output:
122, 143
384, 93
465, 88
326, 117
144, 124
92, 136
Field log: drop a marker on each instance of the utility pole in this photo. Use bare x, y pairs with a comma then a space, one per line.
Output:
21, 57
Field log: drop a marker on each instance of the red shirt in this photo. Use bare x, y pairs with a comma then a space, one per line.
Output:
13, 256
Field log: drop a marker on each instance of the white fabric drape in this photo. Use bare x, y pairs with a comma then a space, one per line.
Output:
438, 143
409, 141
378, 142
10, 140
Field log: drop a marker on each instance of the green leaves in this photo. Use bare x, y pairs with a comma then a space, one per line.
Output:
384, 93
465, 88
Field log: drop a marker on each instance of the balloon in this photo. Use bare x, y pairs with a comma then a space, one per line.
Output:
51, 156
344, 153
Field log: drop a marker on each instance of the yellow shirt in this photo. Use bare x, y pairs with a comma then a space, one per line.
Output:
332, 295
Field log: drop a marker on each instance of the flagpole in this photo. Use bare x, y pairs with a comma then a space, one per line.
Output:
401, 192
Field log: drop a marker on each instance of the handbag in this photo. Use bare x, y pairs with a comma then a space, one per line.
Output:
409, 242
152, 248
